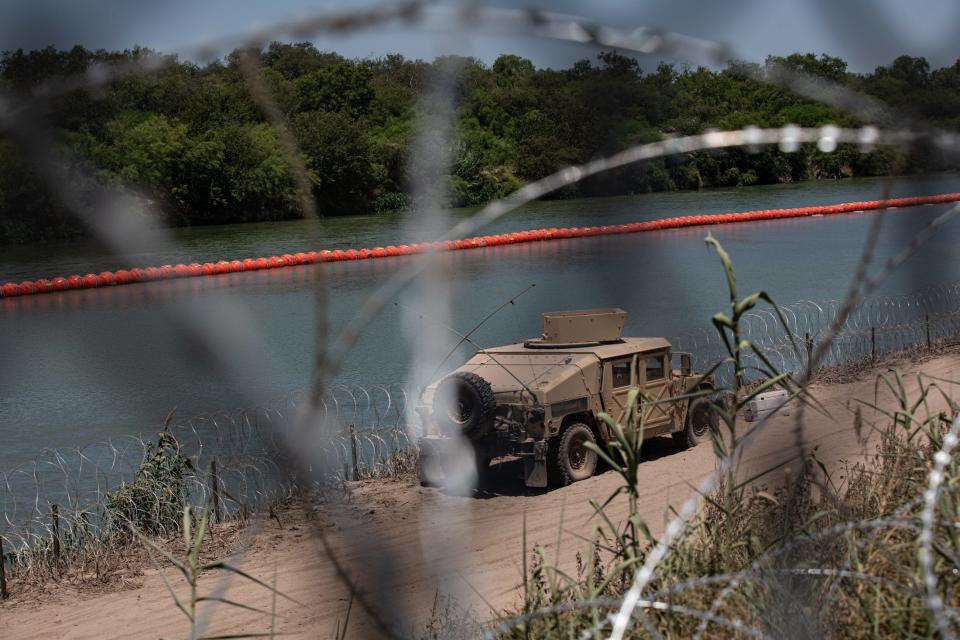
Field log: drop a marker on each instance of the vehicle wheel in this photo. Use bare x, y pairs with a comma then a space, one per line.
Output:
464, 402
701, 417
569, 459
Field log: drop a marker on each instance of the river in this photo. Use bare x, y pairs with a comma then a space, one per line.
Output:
82, 366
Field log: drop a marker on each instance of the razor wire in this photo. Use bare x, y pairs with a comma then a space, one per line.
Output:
880, 325
365, 427
232, 464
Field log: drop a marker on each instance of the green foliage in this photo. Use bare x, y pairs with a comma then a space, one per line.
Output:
391, 202
154, 502
825, 66
192, 138
341, 87
339, 157
257, 178
27, 209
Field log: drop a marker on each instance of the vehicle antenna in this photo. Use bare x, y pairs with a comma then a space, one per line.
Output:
466, 338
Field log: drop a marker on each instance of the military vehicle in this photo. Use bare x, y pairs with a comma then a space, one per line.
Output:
539, 399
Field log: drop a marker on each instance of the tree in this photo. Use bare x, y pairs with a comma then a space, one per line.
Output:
339, 158
298, 59
510, 70
914, 71
341, 87
192, 137
828, 67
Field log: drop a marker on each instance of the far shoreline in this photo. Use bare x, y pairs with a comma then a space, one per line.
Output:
57, 242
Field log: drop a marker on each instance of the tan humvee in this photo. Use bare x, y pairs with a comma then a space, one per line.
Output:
539, 399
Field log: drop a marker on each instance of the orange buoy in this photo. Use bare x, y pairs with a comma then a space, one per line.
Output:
10, 289
122, 276
91, 280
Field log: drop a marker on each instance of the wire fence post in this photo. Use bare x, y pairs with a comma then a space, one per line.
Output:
4, 594
929, 343
808, 342
215, 481
873, 344
353, 453
55, 513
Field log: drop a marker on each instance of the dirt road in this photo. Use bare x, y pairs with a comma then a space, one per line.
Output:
402, 544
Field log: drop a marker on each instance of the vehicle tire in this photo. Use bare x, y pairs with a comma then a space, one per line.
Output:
568, 459
701, 418
464, 402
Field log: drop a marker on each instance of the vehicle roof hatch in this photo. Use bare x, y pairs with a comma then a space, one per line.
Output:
579, 328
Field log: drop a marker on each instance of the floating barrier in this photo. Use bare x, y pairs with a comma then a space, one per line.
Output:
193, 270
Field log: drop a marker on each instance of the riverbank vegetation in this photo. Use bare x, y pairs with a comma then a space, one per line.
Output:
191, 137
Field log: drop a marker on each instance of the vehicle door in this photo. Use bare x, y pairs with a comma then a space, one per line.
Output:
655, 380
619, 377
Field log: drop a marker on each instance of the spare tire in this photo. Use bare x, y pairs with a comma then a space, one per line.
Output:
464, 402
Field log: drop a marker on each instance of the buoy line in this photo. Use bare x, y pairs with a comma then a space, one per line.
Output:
168, 272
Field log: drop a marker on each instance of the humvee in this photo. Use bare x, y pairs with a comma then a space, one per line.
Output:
539, 399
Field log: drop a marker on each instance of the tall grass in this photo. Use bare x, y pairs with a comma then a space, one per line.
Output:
190, 567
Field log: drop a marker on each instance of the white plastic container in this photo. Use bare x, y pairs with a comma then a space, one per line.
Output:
765, 404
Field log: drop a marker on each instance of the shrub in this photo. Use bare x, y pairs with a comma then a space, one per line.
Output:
153, 503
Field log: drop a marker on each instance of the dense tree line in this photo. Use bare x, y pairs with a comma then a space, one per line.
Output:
192, 138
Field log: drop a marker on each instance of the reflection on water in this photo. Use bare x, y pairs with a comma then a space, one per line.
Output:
80, 366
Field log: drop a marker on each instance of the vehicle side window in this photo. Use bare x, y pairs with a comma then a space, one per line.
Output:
621, 373
654, 368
